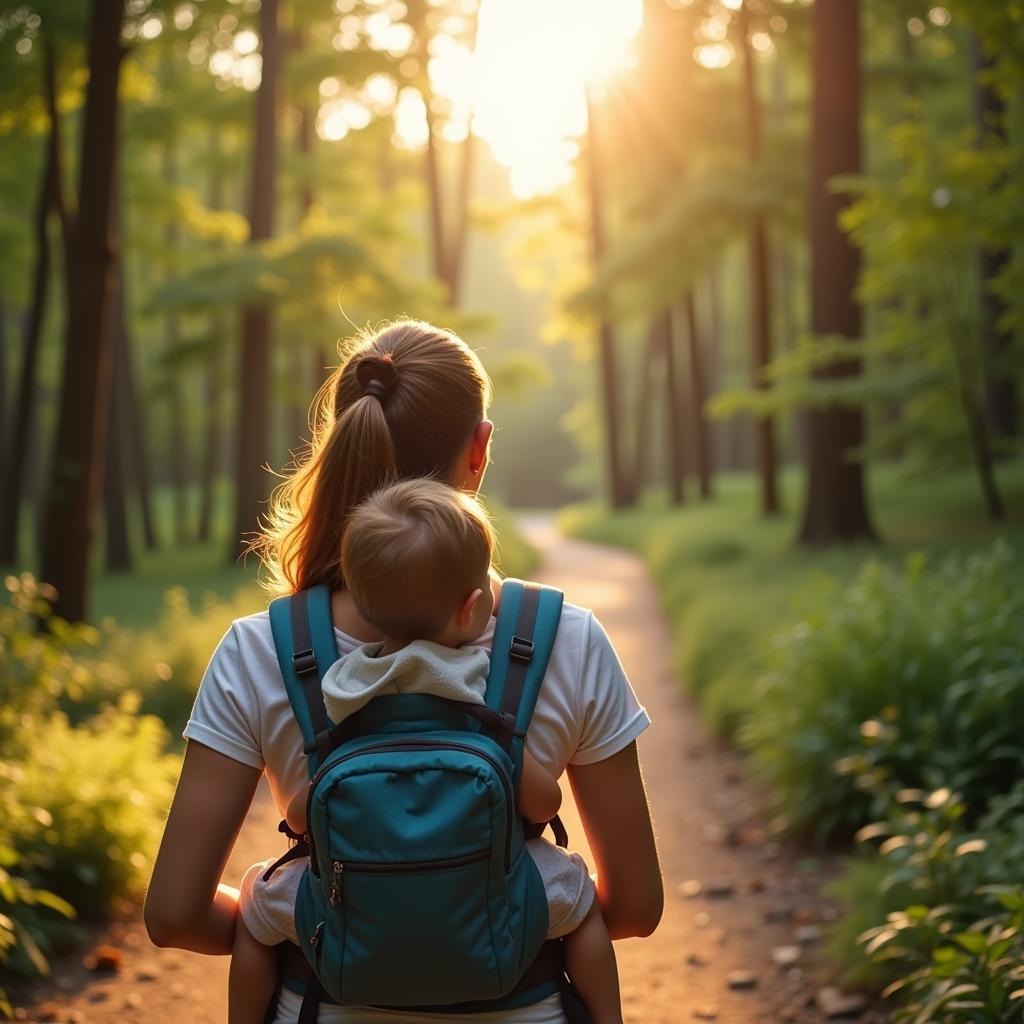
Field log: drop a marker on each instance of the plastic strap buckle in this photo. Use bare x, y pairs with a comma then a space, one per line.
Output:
520, 650
304, 662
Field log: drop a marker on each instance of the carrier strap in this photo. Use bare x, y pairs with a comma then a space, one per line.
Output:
524, 637
304, 639
543, 978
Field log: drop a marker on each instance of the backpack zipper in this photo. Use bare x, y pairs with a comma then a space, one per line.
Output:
412, 744
398, 867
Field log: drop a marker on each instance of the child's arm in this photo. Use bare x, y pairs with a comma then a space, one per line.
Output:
539, 796
296, 813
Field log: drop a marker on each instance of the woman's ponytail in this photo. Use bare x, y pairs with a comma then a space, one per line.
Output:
402, 405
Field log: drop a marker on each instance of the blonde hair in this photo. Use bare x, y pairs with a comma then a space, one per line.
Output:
404, 403
412, 553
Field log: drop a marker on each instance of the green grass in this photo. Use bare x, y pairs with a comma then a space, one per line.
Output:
729, 579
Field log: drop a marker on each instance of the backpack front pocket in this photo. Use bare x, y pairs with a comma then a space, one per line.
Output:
418, 932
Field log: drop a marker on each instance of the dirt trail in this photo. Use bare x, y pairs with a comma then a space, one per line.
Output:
712, 956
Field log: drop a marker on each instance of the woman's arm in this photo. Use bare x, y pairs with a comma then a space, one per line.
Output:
613, 806
186, 905
539, 797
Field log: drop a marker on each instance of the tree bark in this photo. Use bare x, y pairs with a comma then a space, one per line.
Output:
137, 431
618, 484
177, 435
836, 503
25, 399
645, 403
698, 386
254, 375
760, 286
213, 379
118, 547
1000, 384
82, 422
675, 424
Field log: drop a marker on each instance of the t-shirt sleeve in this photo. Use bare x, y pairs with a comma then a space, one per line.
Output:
611, 717
225, 716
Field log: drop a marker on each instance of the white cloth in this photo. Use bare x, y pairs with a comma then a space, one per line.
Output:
586, 712
458, 673
268, 907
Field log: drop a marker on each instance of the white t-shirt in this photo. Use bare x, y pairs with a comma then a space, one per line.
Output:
586, 711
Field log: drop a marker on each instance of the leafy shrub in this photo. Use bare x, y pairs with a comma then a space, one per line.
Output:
956, 949
80, 806
902, 680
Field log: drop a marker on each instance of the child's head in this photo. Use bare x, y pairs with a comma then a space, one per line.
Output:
415, 557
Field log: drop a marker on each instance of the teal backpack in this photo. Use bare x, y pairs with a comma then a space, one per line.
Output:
419, 892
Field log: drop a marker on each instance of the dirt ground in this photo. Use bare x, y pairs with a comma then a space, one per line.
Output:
743, 917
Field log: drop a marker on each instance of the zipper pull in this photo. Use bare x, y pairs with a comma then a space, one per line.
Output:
315, 939
334, 894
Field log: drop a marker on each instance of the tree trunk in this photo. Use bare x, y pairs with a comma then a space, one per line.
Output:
177, 435
675, 425
213, 381
698, 385
645, 403
760, 287
118, 547
617, 481
82, 421
836, 503
213, 434
1000, 384
254, 376
25, 399
137, 431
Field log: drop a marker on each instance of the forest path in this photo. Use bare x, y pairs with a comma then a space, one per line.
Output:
712, 955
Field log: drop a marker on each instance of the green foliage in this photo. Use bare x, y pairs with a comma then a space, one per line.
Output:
900, 680
80, 807
952, 946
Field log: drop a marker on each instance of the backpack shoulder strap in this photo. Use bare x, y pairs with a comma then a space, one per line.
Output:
524, 636
304, 639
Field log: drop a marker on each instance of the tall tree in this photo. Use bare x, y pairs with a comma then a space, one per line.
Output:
82, 418
699, 397
1000, 386
254, 369
25, 399
617, 480
177, 435
836, 503
760, 290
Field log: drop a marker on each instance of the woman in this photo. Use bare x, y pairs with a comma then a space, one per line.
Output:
409, 401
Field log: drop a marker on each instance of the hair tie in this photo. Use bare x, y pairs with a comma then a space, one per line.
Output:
378, 389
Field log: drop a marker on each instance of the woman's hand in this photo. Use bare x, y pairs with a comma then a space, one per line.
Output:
613, 806
186, 905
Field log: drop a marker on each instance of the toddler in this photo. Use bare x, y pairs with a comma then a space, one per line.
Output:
416, 559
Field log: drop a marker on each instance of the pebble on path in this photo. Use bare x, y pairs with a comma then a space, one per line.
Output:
742, 981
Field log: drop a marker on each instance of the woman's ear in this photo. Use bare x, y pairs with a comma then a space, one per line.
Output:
464, 615
480, 447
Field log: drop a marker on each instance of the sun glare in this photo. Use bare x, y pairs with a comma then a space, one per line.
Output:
528, 78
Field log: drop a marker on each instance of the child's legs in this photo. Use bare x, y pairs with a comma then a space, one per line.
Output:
590, 963
252, 978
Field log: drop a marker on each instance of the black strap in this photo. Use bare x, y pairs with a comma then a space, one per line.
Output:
300, 849
310, 1009
535, 831
520, 654
306, 669
572, 1004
